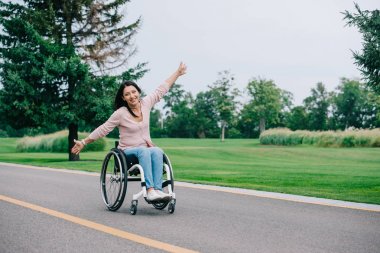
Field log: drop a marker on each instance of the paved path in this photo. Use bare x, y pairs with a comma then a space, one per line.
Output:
44, 210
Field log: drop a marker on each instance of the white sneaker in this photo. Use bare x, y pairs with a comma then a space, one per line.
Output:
153, 196
163, 195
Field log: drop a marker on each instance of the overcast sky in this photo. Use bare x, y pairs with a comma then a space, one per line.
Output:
295, 43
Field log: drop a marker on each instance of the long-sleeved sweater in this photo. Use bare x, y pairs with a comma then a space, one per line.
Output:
132, 133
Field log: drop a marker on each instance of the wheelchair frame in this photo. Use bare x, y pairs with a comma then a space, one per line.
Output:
118, 169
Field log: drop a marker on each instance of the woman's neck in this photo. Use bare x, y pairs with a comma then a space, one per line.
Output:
135, 107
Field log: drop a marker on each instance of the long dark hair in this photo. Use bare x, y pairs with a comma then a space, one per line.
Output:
119, 101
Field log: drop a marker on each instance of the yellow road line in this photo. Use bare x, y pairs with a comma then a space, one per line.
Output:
99, 227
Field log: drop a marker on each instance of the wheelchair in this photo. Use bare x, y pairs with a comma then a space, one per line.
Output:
118, 169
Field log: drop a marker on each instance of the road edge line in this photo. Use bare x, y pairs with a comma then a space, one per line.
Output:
239, 191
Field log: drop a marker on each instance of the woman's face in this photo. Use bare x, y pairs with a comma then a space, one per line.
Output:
131, 95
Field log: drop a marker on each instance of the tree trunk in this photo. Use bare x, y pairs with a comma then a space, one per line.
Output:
73, 128
262, 125
223, 128
73, 134
201, 134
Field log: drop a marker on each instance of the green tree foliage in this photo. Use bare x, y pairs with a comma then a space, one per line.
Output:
205, 110
34, 74
248, 123
94, 29
317, 105
156, 127
188, 117
179, 115
175, 95
354, 105
286, 106
42, 44
223, 95
266, 102
297, 118
368, 61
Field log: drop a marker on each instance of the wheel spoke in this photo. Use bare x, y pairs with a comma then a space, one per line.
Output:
112, 185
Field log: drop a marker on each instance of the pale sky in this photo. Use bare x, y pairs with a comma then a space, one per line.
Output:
295, 43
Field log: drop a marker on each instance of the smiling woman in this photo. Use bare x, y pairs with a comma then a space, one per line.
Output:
128, 95
131, 116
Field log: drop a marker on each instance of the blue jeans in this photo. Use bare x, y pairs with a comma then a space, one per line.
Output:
151, 160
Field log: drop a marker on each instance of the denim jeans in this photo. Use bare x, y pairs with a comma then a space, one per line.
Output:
151, 160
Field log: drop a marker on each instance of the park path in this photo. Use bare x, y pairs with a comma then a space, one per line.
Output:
47, 210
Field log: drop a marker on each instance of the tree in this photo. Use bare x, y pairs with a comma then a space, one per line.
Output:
205, 121
354, 105
179, 121
93, 28
156, 127
174, 96
40, 45
266, 101
286, 107
34, 74
317, 106
368, 23
297, 118
248, 122
223, 96
348, 102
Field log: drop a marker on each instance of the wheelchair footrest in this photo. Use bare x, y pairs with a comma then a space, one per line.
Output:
134, 172
159, 201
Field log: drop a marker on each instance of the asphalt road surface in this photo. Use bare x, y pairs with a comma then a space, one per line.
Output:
44, 210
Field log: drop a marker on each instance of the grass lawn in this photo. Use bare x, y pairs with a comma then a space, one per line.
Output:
351, 174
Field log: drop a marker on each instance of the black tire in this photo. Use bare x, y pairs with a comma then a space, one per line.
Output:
113, 180
133, 208
163, 204
171, 207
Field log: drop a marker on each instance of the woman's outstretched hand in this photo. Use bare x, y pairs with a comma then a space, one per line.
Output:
181, 69
179, 72
77, 147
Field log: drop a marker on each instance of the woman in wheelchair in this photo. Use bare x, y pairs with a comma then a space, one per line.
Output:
132, 116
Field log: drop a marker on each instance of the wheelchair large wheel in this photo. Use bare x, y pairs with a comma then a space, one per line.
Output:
162, 205
113, 181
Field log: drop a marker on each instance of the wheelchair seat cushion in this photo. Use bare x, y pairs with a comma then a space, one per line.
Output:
131, 160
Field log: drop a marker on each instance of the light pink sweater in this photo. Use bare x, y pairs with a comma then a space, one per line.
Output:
132, 133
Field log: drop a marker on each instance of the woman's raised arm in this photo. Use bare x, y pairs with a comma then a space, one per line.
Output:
179, 72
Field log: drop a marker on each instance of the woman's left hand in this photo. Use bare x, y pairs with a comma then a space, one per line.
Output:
77, 147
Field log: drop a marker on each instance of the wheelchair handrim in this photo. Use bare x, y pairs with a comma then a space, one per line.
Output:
103, 179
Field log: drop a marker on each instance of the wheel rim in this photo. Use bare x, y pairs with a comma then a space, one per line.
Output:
113, 181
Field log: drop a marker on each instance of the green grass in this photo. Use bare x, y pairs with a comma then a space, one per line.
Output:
351, 174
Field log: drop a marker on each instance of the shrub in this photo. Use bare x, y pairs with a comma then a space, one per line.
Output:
348, 141
55, 142
3, 134
328, 139
376, 142
295, 138
349, 138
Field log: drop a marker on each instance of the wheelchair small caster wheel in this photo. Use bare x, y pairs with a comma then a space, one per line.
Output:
133, 208
171, 207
